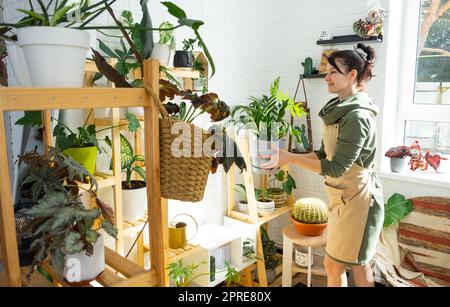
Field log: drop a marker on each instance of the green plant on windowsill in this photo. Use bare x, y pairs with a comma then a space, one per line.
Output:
182, 275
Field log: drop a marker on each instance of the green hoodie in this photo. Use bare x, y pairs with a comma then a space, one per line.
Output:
357, 133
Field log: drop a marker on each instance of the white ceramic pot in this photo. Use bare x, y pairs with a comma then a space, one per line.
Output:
265, 208
301, 257
243, 207
49, 56
398, 164
81, 268
299, 147
134, 204
163, 53
258, 148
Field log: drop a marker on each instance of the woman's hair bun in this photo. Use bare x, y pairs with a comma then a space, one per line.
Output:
371, 54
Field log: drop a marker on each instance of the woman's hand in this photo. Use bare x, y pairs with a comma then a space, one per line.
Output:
279, 158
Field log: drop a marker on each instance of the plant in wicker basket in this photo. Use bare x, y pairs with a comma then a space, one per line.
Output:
310, 216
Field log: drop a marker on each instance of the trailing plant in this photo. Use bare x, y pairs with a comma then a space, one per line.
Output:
129, 161
271, 259
397, 208
310, 211
266, 115
144, 50
183, 275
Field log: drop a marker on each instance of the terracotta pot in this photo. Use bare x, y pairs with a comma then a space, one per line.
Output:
311, 230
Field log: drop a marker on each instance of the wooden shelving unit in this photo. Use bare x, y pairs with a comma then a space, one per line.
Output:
348, 39
21, 99
252, 217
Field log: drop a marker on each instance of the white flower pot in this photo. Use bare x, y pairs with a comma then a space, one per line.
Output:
81, 268
301, 257
163, 53
398, 164
299, 147
242, 207
49, 56
134, 204
265, 208
258, 148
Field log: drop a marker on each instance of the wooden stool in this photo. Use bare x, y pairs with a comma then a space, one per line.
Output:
291, 236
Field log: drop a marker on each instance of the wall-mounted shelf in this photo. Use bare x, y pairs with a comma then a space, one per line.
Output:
314, 76
347, 39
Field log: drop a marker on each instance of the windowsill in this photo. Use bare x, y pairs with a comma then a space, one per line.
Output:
429, 177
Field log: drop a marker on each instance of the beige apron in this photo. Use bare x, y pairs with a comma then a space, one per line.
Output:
350, 202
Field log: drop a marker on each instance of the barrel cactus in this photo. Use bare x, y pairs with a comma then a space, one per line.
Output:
310, 211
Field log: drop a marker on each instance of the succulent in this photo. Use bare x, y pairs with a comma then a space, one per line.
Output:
310, 211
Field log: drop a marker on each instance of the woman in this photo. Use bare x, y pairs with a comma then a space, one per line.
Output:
346, 160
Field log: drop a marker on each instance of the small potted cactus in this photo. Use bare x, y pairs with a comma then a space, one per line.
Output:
310, 216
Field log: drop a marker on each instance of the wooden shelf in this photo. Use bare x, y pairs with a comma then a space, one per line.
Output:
119, 272
36, 99
103, 181
104, 122
183, 72
314, 76
348, 39
316, 269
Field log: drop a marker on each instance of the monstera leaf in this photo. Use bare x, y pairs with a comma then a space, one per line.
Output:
396, 209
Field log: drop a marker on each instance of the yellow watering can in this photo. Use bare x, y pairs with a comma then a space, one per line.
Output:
177, 232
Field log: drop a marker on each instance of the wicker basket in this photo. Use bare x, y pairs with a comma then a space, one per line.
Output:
182, 178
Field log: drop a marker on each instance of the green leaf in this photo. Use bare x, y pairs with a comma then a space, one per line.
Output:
33, 14
61, 14
103, 47
146, 36
206, 51
91, 236
33, 118
73, 243
108, 141
110, 229
396, 209
280, 175
47, 205
191, 23
174, 10
140, 171
126, 153
133, 123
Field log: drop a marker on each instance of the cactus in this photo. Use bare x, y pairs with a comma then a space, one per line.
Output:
308, 65
310, 211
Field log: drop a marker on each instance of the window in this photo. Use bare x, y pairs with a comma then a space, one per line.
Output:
425, 94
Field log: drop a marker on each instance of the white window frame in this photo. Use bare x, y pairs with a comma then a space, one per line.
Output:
408, 111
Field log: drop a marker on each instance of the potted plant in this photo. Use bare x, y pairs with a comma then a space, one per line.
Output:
164, 49
265, 116
83, 146
184, 58
287, 186
248, 249
199, 85
51, 45
265, 205
63, 228
134, 192
271, 259
301, 141
398, 157
182, 275
310, 216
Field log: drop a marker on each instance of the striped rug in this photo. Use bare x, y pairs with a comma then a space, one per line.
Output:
424, 236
